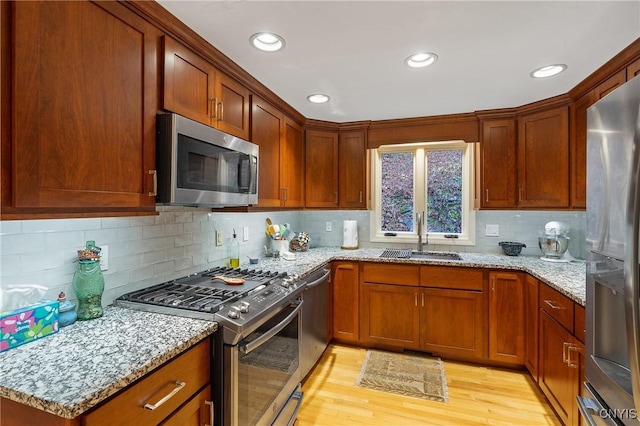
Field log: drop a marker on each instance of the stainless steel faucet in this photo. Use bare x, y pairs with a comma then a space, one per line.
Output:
420, 222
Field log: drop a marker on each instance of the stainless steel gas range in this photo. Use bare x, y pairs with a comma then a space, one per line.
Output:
259, 365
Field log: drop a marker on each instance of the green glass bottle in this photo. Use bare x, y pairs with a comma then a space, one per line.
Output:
88, 284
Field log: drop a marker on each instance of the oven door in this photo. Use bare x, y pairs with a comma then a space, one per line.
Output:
263, 371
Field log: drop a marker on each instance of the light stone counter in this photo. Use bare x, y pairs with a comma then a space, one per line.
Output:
83, 364
567, 278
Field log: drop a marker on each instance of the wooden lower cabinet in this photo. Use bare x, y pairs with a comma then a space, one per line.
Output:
390, 315
561, 367
506, 317
531, 313
345, 301
189, 372
198, 411
452, 322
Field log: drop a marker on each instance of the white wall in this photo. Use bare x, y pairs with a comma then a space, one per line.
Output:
151, 249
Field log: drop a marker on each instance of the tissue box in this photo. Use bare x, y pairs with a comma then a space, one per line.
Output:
27, 324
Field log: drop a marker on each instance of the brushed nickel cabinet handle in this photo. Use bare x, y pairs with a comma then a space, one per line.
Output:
214, 106
565, 356
493, 283
552, 305
211, 413
423, 300
178, 385
487, 196
360, 196
155, 183
221, 109
416, 298
570, 362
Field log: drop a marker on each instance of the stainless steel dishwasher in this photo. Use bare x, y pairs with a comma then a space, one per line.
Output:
315, 331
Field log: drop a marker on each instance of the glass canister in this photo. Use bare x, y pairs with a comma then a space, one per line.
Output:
88, 284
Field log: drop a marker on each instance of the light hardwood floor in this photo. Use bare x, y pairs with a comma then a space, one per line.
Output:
477, 396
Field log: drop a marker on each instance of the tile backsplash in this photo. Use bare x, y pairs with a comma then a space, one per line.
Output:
181, 240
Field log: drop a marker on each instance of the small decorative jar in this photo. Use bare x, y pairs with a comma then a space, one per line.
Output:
67, 311
88, 284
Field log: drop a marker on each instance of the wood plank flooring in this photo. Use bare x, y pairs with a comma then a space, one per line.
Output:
477, 396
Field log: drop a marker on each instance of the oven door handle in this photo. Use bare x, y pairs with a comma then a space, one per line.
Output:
249, 347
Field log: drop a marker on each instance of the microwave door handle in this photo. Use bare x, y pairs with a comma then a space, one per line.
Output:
632, 301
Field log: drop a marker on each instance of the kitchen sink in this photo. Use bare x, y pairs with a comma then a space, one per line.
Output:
419, 255
434, 256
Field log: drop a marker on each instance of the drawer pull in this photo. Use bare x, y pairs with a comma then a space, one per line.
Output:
154, 173
570, 361
179, 385
552, 305
565, 356
211, 414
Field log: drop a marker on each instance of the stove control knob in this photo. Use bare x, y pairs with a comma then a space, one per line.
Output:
244, 307
234, 312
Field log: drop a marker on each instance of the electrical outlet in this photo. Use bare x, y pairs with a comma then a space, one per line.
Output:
328, 227
492, 230
218, 238
104, 258
245, 233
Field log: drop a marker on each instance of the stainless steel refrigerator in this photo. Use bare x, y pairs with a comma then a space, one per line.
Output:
612, 387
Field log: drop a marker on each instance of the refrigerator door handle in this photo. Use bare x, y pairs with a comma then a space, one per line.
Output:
632, 303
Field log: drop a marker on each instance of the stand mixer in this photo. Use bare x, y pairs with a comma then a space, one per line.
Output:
555, 242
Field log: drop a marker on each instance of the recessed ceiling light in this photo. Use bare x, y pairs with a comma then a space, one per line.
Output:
548, 71
422, 59
267, 42
318, 98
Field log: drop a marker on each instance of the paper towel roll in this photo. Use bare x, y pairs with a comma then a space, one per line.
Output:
350, 234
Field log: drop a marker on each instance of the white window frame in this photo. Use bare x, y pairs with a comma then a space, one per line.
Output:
468, 235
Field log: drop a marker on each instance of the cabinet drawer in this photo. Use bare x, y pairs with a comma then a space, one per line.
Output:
558, 306
389, 273
579, 323
192, 368
451, 277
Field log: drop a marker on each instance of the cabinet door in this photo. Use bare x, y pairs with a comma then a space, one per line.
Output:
352, 161
543, 159
232, 108
189, 83
531, 325
84, 105
321, 165
345, 301
579, 150
506, 317
198, 411
452, 322
633, 69
292, 164
266, 125
556, 378
498, 163
390, 315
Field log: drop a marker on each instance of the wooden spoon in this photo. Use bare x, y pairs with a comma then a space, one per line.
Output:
228, 280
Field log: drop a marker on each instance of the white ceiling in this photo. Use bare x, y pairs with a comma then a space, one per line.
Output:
354, 51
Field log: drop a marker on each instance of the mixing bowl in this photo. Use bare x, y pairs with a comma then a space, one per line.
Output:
553, 246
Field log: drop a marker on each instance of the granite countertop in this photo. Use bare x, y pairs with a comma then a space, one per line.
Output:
568, 278
84, 363
73, 370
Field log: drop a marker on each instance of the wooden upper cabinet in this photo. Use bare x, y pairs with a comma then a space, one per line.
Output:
579, 150
352, 169
84, 99
195, 89
292, 164
321, 169
498, 163
506, 317
266, 127
611, 84
543, 159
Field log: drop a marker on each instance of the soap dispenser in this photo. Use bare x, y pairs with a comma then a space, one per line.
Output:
234, 251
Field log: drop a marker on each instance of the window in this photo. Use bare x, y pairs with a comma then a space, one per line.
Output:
433, 178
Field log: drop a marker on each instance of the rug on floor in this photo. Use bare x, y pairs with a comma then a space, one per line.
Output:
410, 374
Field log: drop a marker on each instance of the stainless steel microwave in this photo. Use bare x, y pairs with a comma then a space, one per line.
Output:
202, 166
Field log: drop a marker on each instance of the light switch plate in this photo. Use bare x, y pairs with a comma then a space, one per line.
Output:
492, 230
104, 258
245, 233
218, 238
328, 226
